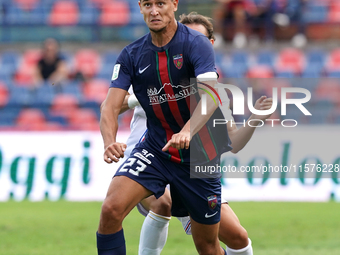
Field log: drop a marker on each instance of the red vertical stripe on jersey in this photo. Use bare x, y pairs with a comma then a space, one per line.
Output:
175, 157
204, 134
174, 153
164, 75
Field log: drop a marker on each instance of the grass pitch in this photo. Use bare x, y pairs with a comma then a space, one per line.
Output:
62, 228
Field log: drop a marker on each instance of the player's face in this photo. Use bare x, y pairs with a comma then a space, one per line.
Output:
200, 28
158, 13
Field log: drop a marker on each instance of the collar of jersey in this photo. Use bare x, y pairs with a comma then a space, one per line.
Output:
167, 46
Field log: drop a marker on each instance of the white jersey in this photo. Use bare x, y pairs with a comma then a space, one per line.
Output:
138, 128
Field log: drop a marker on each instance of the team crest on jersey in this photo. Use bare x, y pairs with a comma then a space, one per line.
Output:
178, 61
212, 201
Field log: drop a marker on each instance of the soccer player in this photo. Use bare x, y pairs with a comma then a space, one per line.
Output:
160, 66
157, 211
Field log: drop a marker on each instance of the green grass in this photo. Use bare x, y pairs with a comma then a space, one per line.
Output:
64, 228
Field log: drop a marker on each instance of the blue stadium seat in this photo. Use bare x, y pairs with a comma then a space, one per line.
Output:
284, 74
8, 115
2, 12
266, 58
312, 70
20, 96
73, 88
135, 18
105, 72
92, 105
9, 62
43, 96
316, 57
219, 57
236, 67
315, 12
239, 58
57, 119
17, 15
234, 71
5, 78
110, 58
88, 13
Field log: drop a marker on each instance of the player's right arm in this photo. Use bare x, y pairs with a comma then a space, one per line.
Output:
109, 125
111, 107
125, 105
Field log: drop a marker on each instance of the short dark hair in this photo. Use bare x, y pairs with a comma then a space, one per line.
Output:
198, 19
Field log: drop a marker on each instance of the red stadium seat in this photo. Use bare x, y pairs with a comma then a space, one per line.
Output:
260, 71
31, 119
115, 13
96, 90
27, 4
100, 2
31, 57
333, 61
290, 59
64, 13
87, 62
4, 95
24, 74
84, 119
334, 11
64, 105
52, 126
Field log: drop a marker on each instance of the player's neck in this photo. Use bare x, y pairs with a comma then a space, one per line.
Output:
163, 37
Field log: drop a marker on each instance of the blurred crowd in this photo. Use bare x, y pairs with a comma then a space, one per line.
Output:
240, 19
50, 88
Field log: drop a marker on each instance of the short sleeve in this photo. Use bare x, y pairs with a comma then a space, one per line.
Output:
122, 72
202, 55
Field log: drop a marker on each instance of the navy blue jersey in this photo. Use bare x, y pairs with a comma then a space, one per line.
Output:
160, 77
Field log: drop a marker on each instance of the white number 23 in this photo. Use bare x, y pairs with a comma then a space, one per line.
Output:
140, 168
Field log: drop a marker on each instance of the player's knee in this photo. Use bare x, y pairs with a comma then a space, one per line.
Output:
238, 240
112, 211
204, 248
161, 206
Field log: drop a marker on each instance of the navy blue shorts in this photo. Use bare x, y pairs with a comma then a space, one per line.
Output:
200, 198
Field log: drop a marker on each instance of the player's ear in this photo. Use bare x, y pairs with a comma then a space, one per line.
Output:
140, 7
175, 3
212, 41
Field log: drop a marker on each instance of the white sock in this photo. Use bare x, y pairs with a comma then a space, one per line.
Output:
186, 223
153, 234
248, 250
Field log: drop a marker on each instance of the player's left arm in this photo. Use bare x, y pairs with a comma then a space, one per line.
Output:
182, 139
204, 66
240, 137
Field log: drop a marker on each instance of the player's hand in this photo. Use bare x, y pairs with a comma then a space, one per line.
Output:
113, 152
179, 141
263, 103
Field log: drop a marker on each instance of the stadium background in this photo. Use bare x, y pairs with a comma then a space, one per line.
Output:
51, 148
